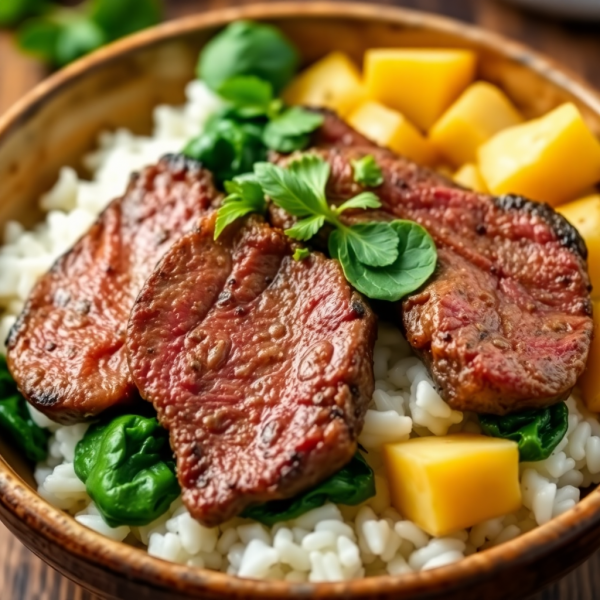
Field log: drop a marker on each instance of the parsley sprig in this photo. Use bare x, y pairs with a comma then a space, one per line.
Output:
385, 261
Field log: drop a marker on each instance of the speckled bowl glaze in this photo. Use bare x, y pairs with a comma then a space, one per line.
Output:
118, 86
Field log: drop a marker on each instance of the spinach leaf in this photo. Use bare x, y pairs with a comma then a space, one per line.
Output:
367, 171
60, 35
127, 466
291, 130
537, 432
249, 95
16, 422
414, 265
248, 48
228, 147
351, 485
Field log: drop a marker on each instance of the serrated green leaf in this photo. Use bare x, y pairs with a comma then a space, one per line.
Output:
367, 171
290, 190
301, 253
415, 263
374, 244
306, 228
245, 196
364, 200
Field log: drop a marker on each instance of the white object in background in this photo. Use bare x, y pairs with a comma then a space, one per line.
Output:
576, 9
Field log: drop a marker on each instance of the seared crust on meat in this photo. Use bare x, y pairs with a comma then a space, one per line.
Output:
66, 350
259, 366
505, 322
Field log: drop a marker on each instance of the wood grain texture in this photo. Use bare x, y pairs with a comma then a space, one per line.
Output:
577, 45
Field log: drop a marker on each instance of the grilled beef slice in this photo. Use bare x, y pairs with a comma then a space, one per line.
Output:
505, 322
259, 366
67, 349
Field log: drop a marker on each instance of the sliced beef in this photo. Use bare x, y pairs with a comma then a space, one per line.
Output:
67, 349
259, 366
505, 322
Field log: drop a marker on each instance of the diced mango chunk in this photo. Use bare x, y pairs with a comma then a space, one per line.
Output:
470, 177
550, 159
451, 482
420, 83
389, 128
589, 382
332, 82
481, 111
584, 215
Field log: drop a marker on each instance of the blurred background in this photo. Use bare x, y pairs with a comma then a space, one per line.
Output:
38, 36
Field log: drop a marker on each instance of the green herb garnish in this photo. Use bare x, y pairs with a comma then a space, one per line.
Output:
228, 146
247, 48
351, 485
60, 35
385, 261
367, 171
16, 422
301, 253
245, 196
127, 466
291, 129
537, 432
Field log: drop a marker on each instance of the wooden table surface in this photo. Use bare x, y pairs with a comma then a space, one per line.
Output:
577, 45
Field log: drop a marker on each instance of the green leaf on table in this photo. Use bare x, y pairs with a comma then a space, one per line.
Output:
415, 263
363, 200
537, 432
13, 12
351, 485
245, 197
127, 466
301, 253
291, 130
367, 171
118, 18
375, 244
248, 48
306, 228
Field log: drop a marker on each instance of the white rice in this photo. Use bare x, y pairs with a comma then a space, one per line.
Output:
330, 543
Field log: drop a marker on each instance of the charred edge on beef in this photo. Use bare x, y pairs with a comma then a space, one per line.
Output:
180, 162
564, 231
45, 398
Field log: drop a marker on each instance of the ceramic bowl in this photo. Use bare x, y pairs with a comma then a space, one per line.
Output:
118, 86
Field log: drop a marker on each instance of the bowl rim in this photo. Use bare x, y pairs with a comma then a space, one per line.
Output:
57, 527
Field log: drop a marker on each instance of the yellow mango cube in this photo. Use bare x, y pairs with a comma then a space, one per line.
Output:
390, 128
584, 215
332, 82
481, 111
550, 159
420, 83
451, 482
469, 176
589, 382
